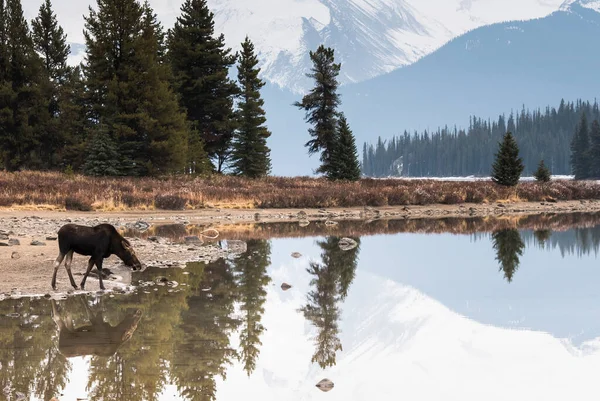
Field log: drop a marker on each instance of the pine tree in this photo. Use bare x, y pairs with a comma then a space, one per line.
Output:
542, 174
102, 156
344, 160
508, 166
50, 42
250, 156
594, 150
129, 91
580, 144
200, 63
23, 112
320, 105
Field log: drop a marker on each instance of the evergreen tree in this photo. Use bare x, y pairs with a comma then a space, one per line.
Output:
250, 156
50, 42
23, 112
320, 105
200, 63
508, 166
594, 150
580, 145
344, 160
509, 246
128, 86
542, 174
102, 156
72, 121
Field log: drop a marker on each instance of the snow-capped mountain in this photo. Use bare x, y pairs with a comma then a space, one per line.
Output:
371, 37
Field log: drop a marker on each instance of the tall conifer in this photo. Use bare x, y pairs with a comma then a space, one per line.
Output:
23, 113
580, 144
200, 63
594, 150
508, 166
50, 42
344, 160
250, 156
320, 105
128, 86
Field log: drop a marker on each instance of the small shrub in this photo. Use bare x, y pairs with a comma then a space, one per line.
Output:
169, 202
399, 197
453, 199
69, 173
129, 200
474, 195
424, 197
77, 203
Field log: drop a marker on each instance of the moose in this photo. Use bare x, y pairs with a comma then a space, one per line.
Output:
98, 242
98, 338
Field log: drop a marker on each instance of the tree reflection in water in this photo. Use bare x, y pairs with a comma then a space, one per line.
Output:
509, 246
330, 284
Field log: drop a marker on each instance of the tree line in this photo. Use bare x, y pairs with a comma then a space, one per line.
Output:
148, 101
449, 151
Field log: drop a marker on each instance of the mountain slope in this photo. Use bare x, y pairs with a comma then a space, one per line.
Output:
371, 37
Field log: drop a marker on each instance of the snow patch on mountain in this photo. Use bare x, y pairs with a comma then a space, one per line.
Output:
591, 4
371, 37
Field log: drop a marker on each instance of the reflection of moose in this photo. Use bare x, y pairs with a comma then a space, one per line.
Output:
99, 242
98, 338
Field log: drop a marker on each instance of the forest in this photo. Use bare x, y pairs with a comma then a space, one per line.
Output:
447, 152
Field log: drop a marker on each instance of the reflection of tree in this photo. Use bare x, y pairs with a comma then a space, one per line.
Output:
542, 236
139, 369
202, 348
509, 246
29, 359
252, 279
331, 281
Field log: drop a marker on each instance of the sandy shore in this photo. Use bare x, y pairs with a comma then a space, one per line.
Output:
27, 269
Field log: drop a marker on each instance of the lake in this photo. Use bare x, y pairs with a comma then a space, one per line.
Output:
419, 310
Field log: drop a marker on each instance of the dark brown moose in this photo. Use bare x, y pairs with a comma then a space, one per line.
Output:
98, 242
98, 338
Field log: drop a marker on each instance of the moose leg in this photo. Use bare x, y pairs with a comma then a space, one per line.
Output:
68, 267
99, 266
56, 316
57, 263
89, 269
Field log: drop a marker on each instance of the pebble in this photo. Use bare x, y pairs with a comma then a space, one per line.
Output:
37, 243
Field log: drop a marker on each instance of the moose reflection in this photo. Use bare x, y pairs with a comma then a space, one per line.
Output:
97, 338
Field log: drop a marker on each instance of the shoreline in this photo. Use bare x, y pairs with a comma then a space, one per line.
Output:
29, 273
225, 215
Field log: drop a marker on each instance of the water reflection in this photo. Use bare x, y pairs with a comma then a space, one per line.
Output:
330, 282
509, 246
392, 305
96, 336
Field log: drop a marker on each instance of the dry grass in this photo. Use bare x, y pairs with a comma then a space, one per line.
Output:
177, 193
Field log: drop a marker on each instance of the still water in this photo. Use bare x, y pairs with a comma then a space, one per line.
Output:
420, 316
